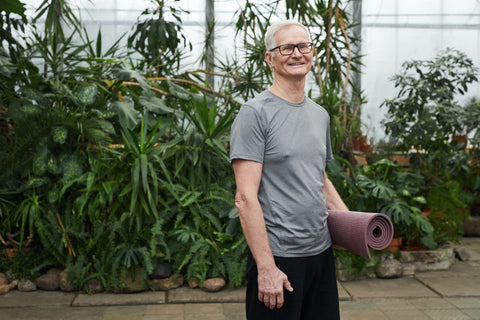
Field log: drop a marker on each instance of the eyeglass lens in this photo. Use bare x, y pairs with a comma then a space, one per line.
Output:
287, 49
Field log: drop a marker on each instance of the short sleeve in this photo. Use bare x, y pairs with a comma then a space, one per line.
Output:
247, 137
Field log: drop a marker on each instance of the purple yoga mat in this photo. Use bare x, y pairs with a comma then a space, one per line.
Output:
358, 231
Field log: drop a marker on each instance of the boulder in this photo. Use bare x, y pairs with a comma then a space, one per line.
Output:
4, 288
390, 268
461, 253
65, 285
26, 285
193, 282
3, 279
213, 284
427, 260
55, 271
13, 285
48, 282
172, 282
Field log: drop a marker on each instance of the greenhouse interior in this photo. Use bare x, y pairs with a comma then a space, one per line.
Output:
115, 121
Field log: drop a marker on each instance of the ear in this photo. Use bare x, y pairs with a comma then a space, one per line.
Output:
269, 59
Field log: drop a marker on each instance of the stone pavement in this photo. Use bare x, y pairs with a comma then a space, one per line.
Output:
449, 294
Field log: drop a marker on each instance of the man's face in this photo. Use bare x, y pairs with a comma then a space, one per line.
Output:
296, 65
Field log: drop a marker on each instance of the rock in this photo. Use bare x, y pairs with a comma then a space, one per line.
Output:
3, 279
48, 282
213, 284
26, 285
64, 284
408, 269
427, 256
4, 288
461, 253
193, 282
172, 282
55, 271
427, 260
135, 283
390, 268
13, 285
95, 286
162, 270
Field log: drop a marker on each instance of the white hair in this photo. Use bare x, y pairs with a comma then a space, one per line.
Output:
270, 41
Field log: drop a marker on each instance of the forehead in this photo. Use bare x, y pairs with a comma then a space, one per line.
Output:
291, 34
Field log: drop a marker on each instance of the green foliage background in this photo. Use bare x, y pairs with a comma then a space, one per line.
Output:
109, 163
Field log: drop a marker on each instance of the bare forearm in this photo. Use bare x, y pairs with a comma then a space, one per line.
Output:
253, 225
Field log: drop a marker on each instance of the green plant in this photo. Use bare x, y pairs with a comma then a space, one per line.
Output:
386, 188
397, 193
425, 115
158, 40
470, 117
28, 263
447, 211
104, 169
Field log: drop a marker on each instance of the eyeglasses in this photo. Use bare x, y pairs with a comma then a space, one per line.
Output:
287, 49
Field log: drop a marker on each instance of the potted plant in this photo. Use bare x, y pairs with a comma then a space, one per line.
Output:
424, 116
386, 187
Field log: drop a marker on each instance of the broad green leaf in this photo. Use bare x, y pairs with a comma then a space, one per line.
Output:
128, 75
59, 134
128, 116
13, 6
88, 94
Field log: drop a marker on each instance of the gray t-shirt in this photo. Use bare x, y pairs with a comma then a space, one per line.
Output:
292, 141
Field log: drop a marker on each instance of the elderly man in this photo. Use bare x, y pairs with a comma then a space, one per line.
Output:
280, 143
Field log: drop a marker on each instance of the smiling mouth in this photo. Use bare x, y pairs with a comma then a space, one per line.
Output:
296, 64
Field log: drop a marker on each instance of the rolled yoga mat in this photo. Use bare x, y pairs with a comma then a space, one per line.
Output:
359, 231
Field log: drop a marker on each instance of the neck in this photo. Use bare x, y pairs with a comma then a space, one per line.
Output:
291, 90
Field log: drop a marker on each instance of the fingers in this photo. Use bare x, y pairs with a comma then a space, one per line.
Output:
287, 285
271, 288
271, 300
274, 300
279, 301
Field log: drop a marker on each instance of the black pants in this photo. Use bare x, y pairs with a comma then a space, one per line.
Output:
314, 296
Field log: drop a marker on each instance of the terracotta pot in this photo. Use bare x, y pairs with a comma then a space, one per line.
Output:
402, 160
413, 246
365, 148
395, 245
359, 142
461, 141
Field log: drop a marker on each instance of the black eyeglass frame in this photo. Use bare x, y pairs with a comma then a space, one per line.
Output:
309, 43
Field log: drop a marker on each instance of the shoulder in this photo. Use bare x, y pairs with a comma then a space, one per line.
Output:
261, 100
317, 108
259, 106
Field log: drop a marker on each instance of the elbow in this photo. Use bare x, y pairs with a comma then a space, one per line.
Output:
245, 205
240, 201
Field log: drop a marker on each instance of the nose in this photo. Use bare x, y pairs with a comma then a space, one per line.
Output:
296, 52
